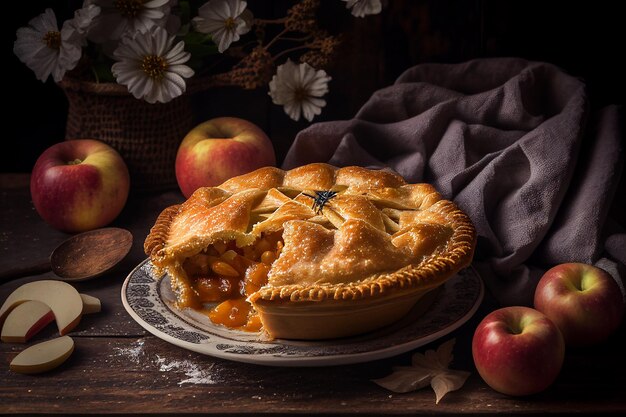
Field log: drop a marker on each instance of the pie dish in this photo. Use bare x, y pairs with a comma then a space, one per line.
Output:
312, 253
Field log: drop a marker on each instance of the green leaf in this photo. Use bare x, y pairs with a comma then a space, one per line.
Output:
197, 38
185, 11
201, 51
200, 45
102, 72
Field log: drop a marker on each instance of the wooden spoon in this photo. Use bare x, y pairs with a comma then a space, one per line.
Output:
82, 256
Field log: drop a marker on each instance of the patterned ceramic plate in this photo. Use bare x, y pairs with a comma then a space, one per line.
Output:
150, 302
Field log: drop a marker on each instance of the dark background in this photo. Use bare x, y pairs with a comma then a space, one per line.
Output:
585, 38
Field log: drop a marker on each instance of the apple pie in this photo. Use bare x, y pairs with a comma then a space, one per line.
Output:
311, 253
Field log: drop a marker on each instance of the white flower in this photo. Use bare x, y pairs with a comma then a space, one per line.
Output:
225, 20
151, 67
299, 88
78, 26
361, 8
121, 17
45, 49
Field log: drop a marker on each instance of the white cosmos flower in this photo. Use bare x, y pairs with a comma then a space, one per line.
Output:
299, 88
361, 8
80, 24
151, 66
45, 49
121, 17
225, 20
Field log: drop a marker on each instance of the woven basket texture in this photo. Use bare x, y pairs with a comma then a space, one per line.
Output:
146, 135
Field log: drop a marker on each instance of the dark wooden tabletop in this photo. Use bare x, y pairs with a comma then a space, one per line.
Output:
119, 368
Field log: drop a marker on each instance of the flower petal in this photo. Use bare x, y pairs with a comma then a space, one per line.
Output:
182, 70
155, 3
293, 111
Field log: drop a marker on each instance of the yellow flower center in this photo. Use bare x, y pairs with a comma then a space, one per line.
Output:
129, 8
52, 40
229, 23
154, 66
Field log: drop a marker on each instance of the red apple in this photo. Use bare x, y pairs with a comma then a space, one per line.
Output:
518, 350
219, 149
79, 185
583, 301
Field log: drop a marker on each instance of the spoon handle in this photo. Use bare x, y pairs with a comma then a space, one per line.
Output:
24, 271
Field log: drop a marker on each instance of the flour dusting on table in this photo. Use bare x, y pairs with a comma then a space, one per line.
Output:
133, 353
196, 374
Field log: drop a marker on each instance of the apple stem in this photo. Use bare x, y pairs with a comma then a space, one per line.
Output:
515, 330
74, 162
516, 326
584, 283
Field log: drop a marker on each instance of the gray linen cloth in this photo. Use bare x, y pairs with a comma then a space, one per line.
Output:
513, 143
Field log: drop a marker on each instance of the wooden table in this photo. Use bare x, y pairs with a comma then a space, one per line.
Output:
119, 368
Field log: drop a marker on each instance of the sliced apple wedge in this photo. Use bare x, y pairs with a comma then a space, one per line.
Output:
43, 356
90, 304
63, 299
25, 321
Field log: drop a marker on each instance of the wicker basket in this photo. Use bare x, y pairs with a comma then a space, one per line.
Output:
146, 135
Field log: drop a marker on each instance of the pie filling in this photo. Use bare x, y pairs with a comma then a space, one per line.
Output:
227, 275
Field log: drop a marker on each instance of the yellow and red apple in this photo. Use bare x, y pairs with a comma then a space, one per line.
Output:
79, 185
584, 302
219, 149
518, 350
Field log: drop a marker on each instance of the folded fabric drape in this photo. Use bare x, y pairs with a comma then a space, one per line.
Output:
514, 143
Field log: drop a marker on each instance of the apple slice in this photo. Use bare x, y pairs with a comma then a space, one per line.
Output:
25, 321
63, 299
28, 318
43, 356
90, 304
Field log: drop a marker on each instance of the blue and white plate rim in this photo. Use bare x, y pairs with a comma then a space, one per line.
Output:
145, 297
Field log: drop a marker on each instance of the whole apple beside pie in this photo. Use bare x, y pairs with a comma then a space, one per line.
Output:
311, 253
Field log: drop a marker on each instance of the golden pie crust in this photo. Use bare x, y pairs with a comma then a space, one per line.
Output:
355, 262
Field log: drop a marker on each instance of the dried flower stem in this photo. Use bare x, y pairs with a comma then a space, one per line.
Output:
205, 83
270, 21
302, 39
276, 38
95, 74
240, 51
286, 51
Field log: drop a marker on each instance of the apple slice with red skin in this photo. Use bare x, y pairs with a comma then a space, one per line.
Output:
63, 299
26, 320
30, 317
